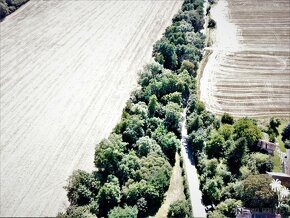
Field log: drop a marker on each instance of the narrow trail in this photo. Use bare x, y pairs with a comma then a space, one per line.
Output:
198, 208
175, 190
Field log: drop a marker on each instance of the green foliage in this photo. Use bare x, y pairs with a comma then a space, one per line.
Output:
227, 119
174, 97
199, 107
126, 212
287, 143
144, 194
131, 128
165, 84
153, 105
197, 139
273, 128
146, 145
227, 208
169, 145
178, 209
156, 171
172, 116
164, 51
211, 23
109, 153
286, 133
195, 38
212, 189
257, 193
142, 206
246, 128
82, 188
226, 131
109, 195
133, 164
193, 17
194, 122
189, 67
237, 154
263, 162
188, 52
77, 212
128, 167
215, 147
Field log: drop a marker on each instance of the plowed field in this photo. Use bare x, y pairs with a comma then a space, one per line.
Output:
67, 69
248, 72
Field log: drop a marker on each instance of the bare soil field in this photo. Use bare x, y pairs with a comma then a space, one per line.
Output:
248, 72
67, 69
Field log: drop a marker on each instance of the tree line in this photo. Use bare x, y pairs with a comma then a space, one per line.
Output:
133, 166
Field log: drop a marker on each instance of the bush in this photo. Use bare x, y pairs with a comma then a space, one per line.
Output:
226, 131
211, 23
164, 52
125, 212
227, 119
286, 133
82, 188
215, 147
189, 66
228, 207
178, 209
257, 193
263, 162
247, 129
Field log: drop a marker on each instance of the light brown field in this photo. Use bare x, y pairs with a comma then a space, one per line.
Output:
248, 72
67, 69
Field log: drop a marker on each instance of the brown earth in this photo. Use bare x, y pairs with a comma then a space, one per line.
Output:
248, 73
67, 69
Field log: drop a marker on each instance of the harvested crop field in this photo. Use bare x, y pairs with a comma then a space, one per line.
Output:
67, 69
248, 72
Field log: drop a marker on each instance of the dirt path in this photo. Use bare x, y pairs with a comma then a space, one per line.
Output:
198, 208
67, 68
175, 190
248, 73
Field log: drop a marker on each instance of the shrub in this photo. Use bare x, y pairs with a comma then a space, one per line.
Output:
227, 119
125, 212
286, 133
189, 66
178, 209
211, 23
167, 50
257, 193
247, 129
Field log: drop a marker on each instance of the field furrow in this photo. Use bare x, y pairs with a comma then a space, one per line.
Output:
67, 69
248, 72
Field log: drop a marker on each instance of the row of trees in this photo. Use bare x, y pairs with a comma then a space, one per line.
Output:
133, 166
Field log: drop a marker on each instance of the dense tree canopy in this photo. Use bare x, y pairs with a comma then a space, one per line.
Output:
126, 212
256, 192
245, 128
178, 209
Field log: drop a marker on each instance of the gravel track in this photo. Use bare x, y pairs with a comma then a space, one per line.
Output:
248, 73
67, 69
